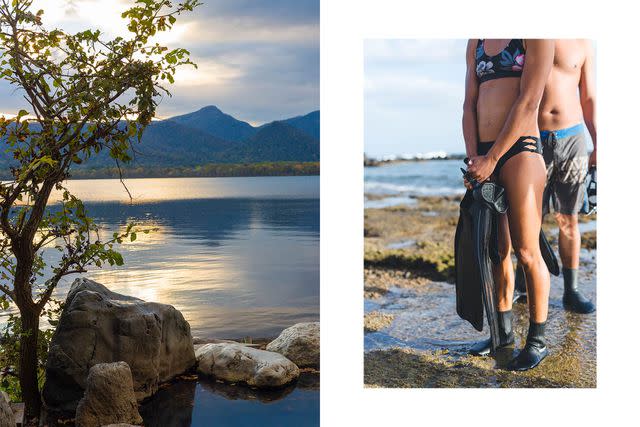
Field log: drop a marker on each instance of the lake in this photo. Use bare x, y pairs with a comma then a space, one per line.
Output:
239, 257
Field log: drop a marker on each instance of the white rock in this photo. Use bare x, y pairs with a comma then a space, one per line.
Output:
235, 362
299, 343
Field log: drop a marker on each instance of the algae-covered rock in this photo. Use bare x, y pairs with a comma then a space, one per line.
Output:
589, 240
376, 321
435, 264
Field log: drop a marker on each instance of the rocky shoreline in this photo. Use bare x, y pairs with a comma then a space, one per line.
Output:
111, 354
413, 337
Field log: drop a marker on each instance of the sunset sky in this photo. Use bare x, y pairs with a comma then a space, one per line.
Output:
257, 60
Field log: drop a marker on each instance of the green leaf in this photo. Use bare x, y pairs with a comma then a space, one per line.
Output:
118, 258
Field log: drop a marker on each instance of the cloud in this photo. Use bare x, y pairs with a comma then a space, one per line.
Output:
413, 92
416, 51
247, 30
398, 90
258, 60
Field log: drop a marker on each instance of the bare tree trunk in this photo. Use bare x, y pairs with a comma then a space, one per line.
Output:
29, 319
29, 330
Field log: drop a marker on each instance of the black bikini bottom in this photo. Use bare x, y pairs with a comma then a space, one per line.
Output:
531, 144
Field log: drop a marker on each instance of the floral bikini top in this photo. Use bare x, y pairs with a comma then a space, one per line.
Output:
507, 63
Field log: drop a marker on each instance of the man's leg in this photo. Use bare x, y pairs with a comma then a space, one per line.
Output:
569, 196
569, 245
568, 240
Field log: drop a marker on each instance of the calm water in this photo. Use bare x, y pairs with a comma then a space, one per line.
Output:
204, 403
402, 180
237, 256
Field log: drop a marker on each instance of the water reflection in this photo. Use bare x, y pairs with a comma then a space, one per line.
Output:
234, 266
206, 402
161, 189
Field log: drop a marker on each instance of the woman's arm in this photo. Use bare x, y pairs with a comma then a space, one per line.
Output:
588, 97
469, 108
524, 112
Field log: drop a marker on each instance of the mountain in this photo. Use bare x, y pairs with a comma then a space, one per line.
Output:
309, 124
211, 136
166, 143
276, 141
214, 122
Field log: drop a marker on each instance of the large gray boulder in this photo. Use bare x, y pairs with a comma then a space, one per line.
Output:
109, 397
100, 326
299, 343
6, 414
235, 362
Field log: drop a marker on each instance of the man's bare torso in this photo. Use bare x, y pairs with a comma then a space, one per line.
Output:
560, 107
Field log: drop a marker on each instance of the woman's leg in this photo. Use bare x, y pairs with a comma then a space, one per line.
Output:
523, 177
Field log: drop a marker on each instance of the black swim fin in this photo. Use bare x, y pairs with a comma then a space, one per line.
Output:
549, 255
476, 252
469, 304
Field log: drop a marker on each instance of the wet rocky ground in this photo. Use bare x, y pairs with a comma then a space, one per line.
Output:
413, 336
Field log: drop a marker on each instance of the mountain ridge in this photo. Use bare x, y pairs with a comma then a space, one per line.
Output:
209, 135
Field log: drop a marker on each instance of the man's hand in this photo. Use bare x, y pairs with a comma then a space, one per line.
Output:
593, 158
481, 167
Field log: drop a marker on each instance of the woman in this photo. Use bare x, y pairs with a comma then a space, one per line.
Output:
504, 85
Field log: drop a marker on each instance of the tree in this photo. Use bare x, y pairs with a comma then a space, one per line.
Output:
86, 93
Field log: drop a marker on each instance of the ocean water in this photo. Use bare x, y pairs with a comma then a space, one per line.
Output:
239, 257
403, 180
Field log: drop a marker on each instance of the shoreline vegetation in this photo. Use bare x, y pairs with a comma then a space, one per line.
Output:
209, 170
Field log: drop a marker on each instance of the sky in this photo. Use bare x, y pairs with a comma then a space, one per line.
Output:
413, 94
257, 60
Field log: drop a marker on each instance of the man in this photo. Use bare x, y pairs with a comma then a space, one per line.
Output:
569, 99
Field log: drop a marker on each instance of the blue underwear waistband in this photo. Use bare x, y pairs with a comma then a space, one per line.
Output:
563, 133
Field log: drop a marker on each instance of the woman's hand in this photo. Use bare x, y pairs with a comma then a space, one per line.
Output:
467, 184
481, 167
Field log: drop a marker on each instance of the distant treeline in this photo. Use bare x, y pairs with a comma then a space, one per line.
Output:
207, 170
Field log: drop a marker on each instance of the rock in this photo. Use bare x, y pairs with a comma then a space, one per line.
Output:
109, 397
6, 414
238, 363
100, 326
299, 343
